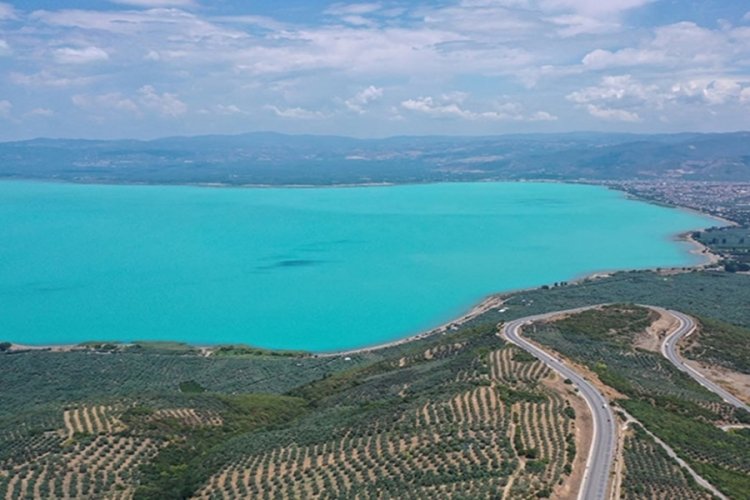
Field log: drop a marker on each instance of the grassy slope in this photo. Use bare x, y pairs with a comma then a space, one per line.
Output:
720, 343
666, 401
37, 384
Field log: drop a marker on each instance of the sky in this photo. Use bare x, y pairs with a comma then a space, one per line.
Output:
154, 68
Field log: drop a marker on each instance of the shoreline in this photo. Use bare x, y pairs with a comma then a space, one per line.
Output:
491, 301
495, 299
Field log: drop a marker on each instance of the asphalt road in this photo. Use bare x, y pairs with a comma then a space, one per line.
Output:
670, 351
604, 441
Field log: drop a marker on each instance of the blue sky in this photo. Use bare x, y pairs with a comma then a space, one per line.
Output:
151, 68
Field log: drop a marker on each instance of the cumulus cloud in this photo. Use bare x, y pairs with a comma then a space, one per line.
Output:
621, 88
146, 99
612, 114
683, 44
599, 59
616, 98
156, 3
165, 103
355, 13
578, 17
451, 106
111, 100
46, 78
42, 112
595, 7
622, 98
712, 91
85, 55
228, 109
361, 99
416, 49
348, 9
295, 113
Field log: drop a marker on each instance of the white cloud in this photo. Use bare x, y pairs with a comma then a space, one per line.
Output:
713, 91
622, 88
227, 110
335, 55
683, 44
594, 7
4, 48
146, 99
354, 14
5, 108
7, 11
577, 17
612, 114
542, 116
47, 79
352, 9
43, 112
165, 104
622, 98
573, 25
296, 112
112, 100
616, 98
598, 59
85, 55
746, 17
156, 3
361, 99
160, 26
451, 106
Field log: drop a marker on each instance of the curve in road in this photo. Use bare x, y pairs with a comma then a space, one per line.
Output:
604, 441
603, 444
669, 350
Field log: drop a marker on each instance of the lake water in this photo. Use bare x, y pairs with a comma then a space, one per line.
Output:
314, 269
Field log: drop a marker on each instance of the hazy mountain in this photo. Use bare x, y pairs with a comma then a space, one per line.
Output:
271, 158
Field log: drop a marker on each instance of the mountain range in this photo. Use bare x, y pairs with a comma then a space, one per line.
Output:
266, 158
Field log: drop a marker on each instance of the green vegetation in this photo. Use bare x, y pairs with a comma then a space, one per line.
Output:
191, 386
651, 473
245, 350
35, 380
5, 346
732, 243
720, 457
430, 417
184, 464
716, 295
720, 343
666, 401
456, 414
161, 347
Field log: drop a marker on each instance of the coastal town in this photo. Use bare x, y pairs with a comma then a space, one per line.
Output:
727, 200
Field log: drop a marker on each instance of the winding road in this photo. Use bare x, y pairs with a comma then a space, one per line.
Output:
604, 440
670, 351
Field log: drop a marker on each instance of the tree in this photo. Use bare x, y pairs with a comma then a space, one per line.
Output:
5, 346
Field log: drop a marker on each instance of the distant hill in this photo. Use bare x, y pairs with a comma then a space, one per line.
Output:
278, 159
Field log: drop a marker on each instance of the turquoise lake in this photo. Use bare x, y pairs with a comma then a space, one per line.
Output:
313, 269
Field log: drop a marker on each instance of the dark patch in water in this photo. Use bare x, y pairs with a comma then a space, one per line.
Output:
289, 263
